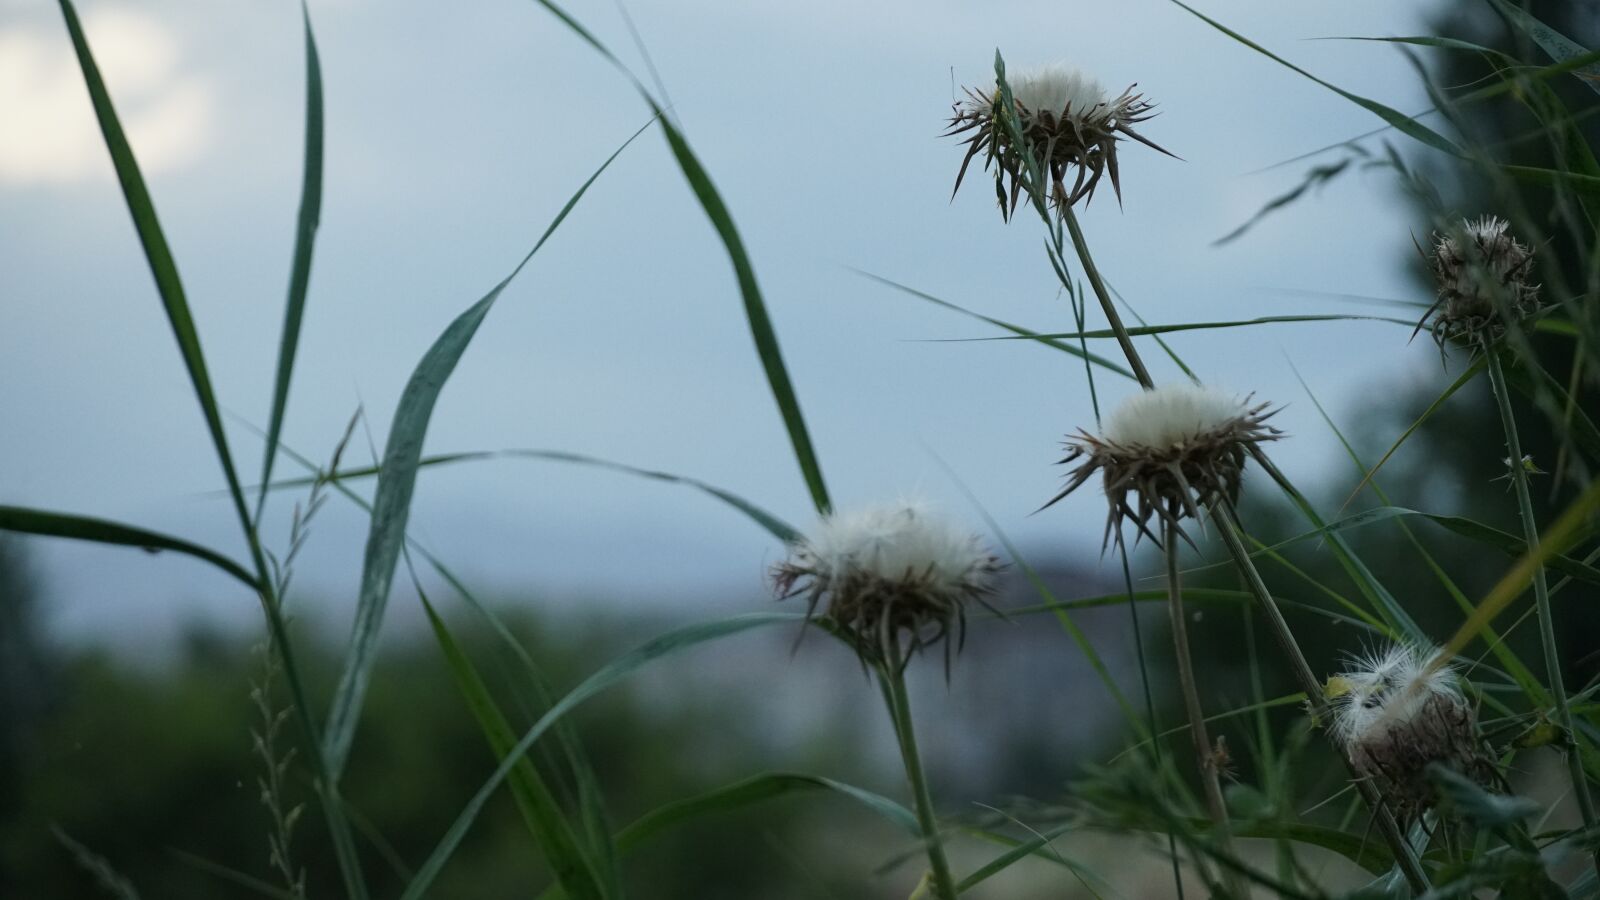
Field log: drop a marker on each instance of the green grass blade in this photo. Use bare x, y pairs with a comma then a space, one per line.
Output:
614, 672
755, 309
157, 253
775, 526
571, 866
1141, 330
1558, 46
1047, 340
1022, 850
750, 791
589, 796
1407, 125
300, 269
1461, 381
83, 528
392, 501
1471, 529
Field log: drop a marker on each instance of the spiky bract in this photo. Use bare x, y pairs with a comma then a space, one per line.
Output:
1482, 275
890, 573
1166, 452
1065, 118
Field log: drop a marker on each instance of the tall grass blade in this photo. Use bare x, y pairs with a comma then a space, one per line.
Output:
614, 672
1408, 125
755, 310
157, 253
753, 790
392, 502
572, 867
84, 528
1559, 47
300, 269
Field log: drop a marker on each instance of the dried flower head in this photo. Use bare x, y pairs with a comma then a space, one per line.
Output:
1166, 452
1482, 276
1067, 120
1394, 715
887, 570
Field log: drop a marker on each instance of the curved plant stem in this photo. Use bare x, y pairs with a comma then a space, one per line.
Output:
1541, 591
1404, 854
1204, 757
893, 675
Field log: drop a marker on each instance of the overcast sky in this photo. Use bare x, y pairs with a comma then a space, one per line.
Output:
456, 131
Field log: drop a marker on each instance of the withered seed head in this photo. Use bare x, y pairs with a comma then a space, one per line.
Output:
1068, 121
1166, 452
889, 572
1482, 274
1394, 716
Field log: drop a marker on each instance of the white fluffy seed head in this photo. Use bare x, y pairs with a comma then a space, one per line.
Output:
1172, 415
1387, 690
1060, 90
897, 541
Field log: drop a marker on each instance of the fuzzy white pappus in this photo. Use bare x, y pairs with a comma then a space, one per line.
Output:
1058, 89
1171, 415
895, 541
1389, 687
1397, 713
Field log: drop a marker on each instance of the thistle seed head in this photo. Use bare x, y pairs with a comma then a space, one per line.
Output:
887, 571
1393, 716
1166, 452
1482, 275
1066, 118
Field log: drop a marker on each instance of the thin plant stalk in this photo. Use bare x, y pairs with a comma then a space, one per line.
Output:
893, 675
1405, 855
1541, 590
1205, 759
1099, 286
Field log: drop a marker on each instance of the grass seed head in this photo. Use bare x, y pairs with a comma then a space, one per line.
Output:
1166, 452
1395, 717
1482, 274
889, 571
1066, 118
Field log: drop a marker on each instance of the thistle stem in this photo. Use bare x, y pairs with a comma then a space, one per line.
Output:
1405, 856
1204, 757
892, 673
1541, 591
1099, 286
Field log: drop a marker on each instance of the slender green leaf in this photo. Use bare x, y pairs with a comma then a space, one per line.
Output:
1508, 543
780, 529
83, 528
1560, 48
1139, 330
1007, 326
1472, 372
755, 310
750, 791
162, 265
614, 672
1408, 125
300, 269
392, 502
573, 870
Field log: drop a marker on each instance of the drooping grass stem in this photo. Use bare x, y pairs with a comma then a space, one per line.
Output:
1204, 756
1541, 589
892, 673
